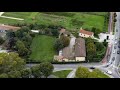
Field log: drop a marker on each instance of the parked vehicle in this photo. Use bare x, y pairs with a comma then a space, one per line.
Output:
108, 72
113, 58
118, 52
114, 52
116, 30
118, 46
115, 42
114, 47
92, 67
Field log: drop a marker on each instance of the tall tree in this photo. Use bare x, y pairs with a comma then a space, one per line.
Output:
22, 50
36, 71
82, 72
10, 62
46, 68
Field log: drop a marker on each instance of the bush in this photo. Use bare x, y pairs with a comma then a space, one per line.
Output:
1, 40
3, 75
82, 72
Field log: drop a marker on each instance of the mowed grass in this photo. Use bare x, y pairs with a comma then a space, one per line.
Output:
42, 48
89, 19
62, 74
8, 21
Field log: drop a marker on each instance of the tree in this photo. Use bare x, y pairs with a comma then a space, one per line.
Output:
105, 43
96, 31
46, 68
10, 34
14, 74
65, 40
99, 46
91, 50
22, 50
58, 45
10, 62
115, 20
26, 73
3, 75
1, 40
36, 71
11, 43
82, 72
97, 74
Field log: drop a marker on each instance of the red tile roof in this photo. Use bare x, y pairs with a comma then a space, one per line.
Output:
86, 32
7, 27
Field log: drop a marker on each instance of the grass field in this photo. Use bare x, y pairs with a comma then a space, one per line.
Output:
42, 48
89, 19
62, 74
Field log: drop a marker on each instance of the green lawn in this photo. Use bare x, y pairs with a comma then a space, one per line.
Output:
89, 19
42, 48
62, 74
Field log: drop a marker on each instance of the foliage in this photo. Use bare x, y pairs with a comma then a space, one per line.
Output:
58, 45
26, 73
65, 40
82, 72
20, 47
62, 73
3, 75
10, 62
14, 74
46, 68
36, 71
96, 31
1, 40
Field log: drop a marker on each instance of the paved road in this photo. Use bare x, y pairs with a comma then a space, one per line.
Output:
9, 17
114, 64
1, 13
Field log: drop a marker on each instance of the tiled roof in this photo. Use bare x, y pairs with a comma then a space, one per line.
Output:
86, 32
7, 27
80, 50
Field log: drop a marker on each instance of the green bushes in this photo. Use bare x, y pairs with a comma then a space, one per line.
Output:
1, 40
67, 14
83, 72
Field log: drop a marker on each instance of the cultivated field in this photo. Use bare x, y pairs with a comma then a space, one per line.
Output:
70, 20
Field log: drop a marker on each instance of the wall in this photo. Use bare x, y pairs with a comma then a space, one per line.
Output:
80, 58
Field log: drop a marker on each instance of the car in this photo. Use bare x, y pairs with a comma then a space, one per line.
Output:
119, 42
92, 67
116, 30
116, 38
108, 72
115, 42
114, 47
118, 46
118, 52
114, 52
113, 58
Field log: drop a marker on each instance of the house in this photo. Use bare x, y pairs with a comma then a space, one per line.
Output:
80, 51
86, 34
5, 28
